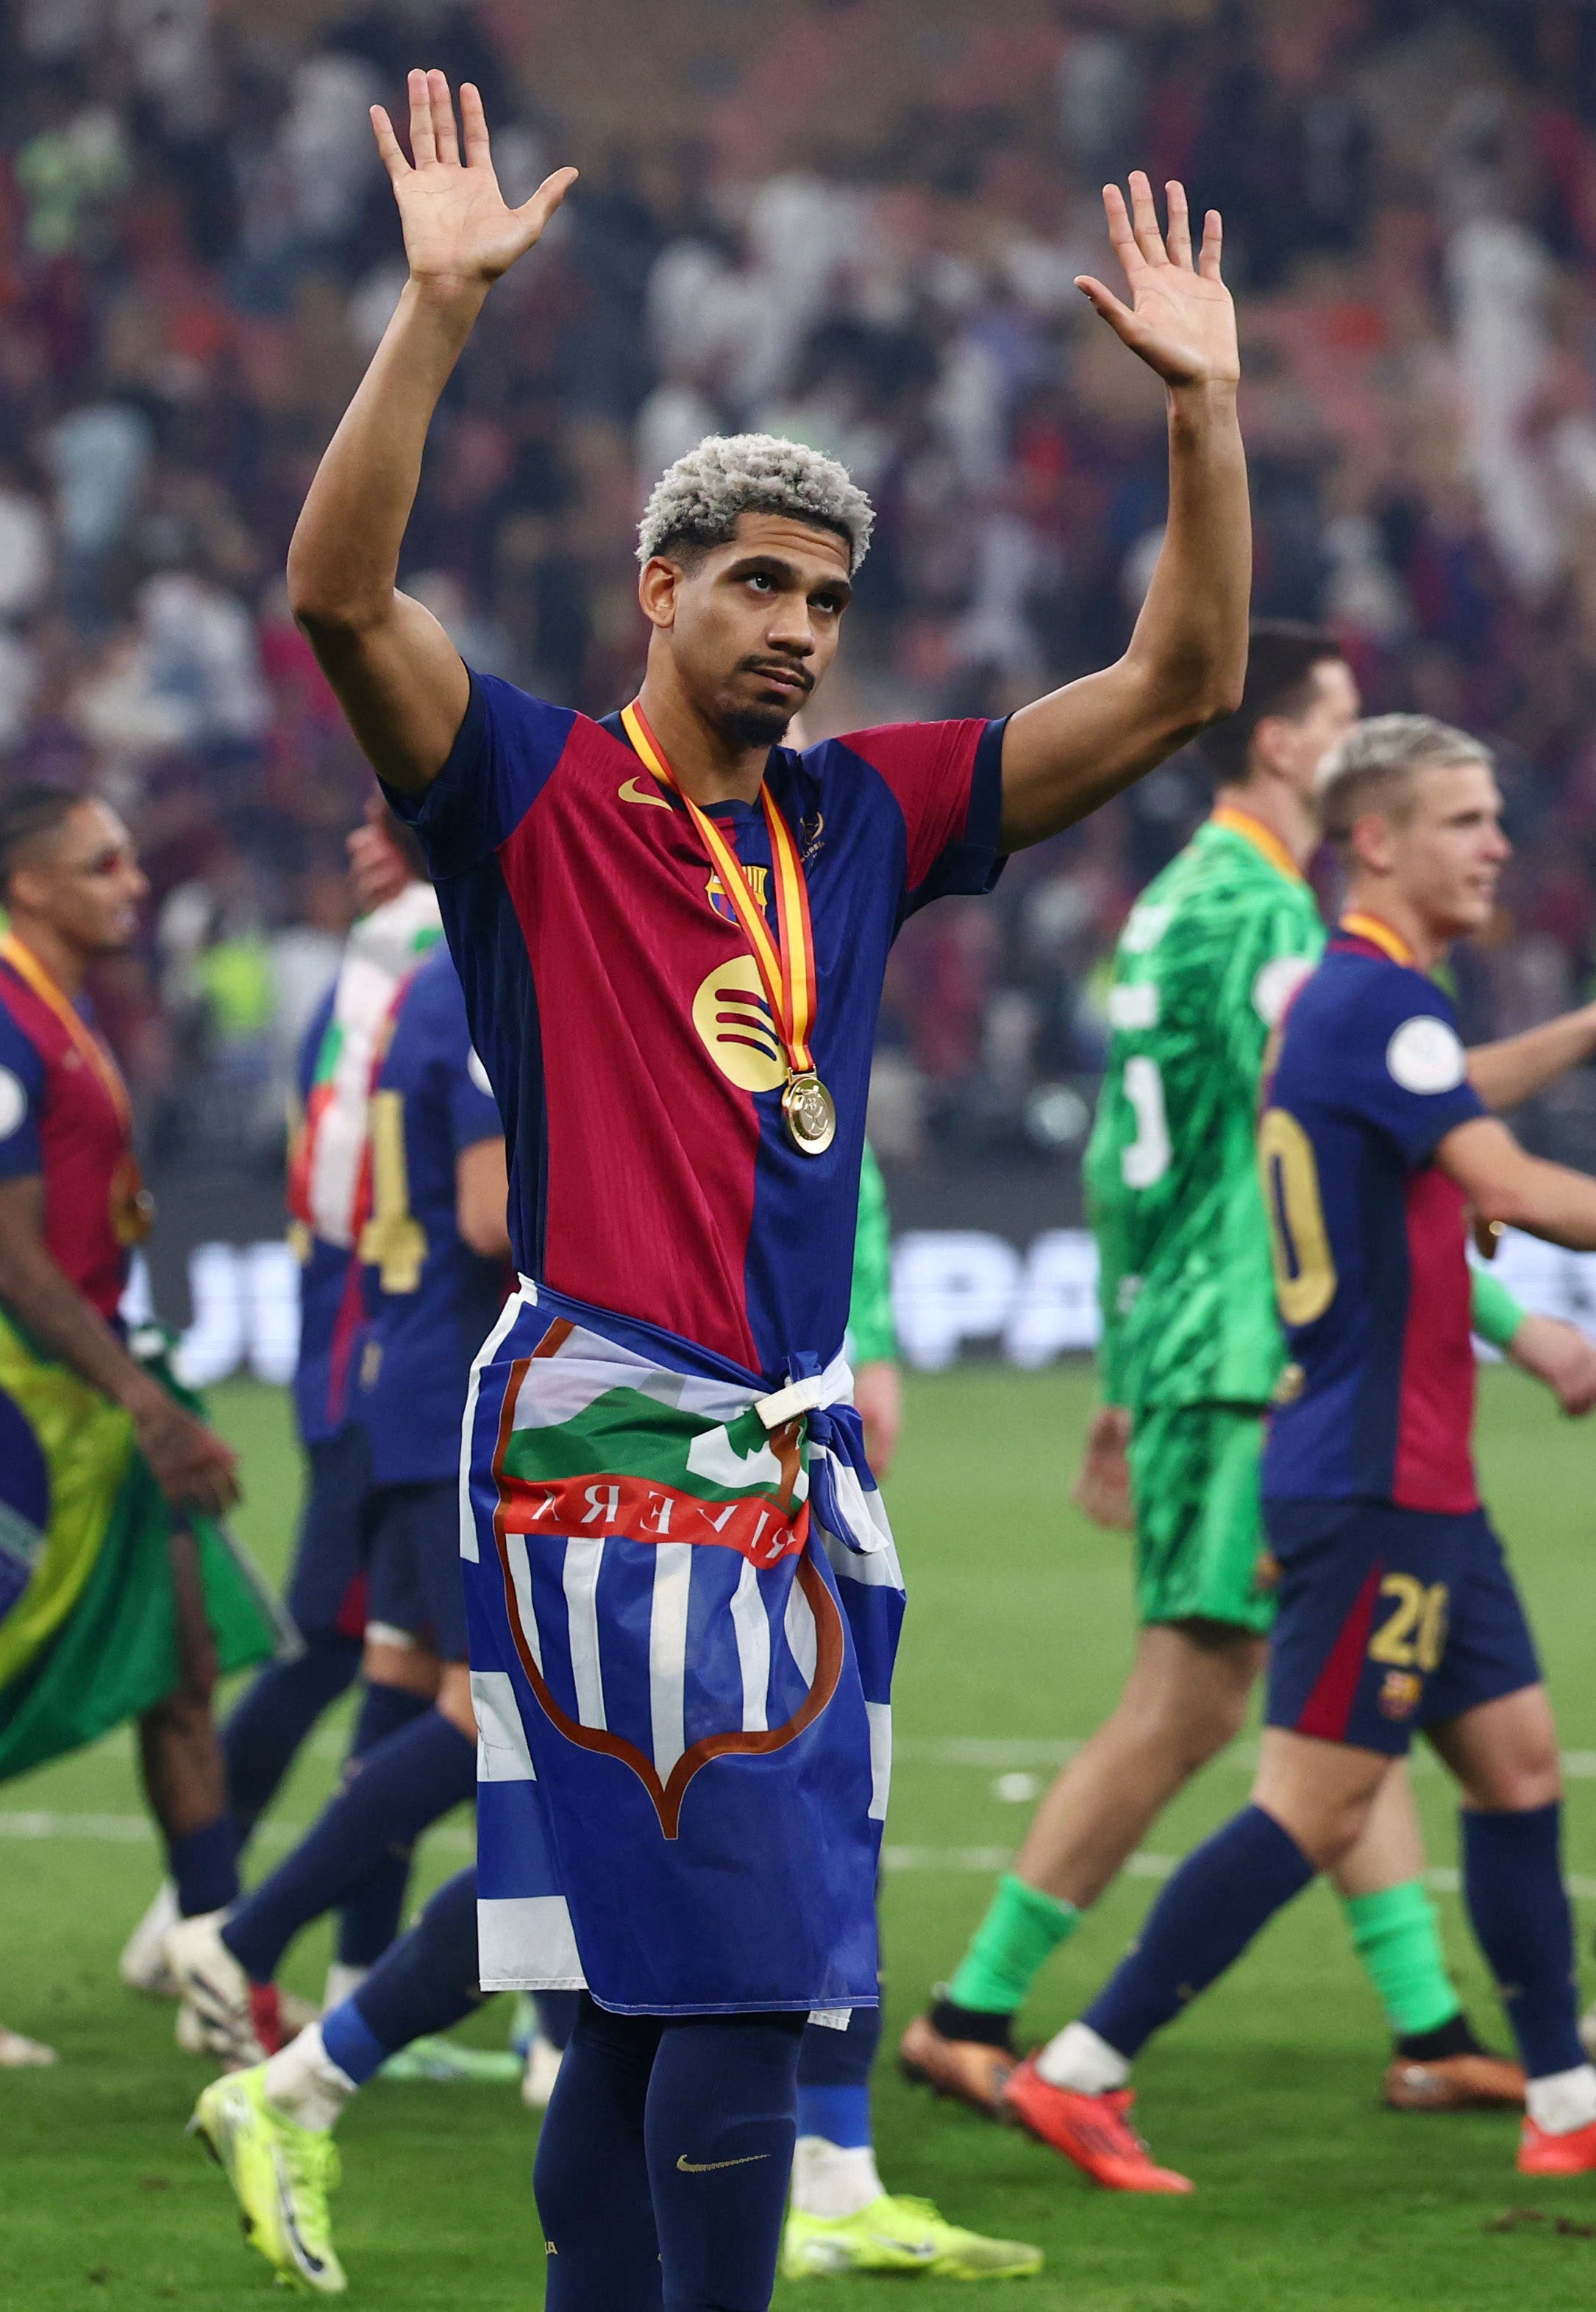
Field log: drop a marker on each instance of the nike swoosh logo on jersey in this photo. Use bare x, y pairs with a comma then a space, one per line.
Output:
629, 791
702, 2167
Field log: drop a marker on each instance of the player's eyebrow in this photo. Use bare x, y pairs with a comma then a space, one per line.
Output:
774, 565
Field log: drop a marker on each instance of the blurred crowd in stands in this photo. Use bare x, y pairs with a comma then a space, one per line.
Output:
857, 221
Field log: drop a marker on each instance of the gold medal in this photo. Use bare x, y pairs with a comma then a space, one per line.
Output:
785, 963
809, 1113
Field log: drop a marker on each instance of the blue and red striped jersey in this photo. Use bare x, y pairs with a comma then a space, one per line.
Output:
1371, 1267
621, 1018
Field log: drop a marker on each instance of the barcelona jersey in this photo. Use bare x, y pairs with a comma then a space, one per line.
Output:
1370, 1269
63, 1117
620, 1015
429, 1300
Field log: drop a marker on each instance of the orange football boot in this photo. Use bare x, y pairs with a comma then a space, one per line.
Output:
1470, 2082
1542, 2154
1094, 2131
971, 2070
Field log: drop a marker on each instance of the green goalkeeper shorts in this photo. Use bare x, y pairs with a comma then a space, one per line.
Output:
1200, 1550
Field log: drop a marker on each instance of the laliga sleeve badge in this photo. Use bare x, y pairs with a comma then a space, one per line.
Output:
1399, 1694
1425, 1055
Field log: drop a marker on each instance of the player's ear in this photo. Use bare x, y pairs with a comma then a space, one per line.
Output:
1372, 841
659, 582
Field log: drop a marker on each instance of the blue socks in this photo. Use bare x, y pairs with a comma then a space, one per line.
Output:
266, 1728
402, 1787
662, 2167
427, 1982
204, 1866
370, 1917
1512, 1880
834, 2079
1224, 1892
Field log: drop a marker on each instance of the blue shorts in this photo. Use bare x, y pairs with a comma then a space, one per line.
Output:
1388, 1620
415, 1583
327, 1589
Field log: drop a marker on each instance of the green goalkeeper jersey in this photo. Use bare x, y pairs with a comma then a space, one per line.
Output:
1210, 956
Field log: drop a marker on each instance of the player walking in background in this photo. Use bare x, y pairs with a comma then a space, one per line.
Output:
398, 922
1191, 1352
432, 1244
119, 1596
1396, 1608
682, 1595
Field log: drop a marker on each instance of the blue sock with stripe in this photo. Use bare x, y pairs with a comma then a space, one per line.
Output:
405, 1785
1513, 1880
425, 1982
1223, 1893
834, 2079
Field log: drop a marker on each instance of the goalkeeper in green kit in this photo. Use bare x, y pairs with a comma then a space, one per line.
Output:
1191, 1356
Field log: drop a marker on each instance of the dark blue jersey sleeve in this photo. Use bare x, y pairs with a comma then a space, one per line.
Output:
21, 1098
1402, 1066
502, 759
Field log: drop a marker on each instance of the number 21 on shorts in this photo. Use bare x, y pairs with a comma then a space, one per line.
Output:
1413, 1635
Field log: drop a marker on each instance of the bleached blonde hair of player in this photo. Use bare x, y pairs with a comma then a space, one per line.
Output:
1372, 768
695, 504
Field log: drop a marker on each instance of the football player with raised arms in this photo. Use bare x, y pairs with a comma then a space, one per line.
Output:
671, 931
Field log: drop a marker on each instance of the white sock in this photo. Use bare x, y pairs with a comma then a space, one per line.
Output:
305, 2083
341, 1983
1076, 2057
832, 2179
1563, 2100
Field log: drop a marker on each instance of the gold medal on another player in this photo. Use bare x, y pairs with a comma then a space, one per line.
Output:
785, 963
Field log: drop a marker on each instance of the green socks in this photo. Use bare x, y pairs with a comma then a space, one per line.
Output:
1394, 1934
1019, 1934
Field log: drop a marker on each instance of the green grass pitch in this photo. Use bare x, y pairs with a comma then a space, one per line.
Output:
1309, 2197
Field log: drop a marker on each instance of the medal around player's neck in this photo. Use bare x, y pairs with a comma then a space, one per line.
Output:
785, 962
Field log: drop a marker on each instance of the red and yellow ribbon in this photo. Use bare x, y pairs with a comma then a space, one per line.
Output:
1390, 943
786, 961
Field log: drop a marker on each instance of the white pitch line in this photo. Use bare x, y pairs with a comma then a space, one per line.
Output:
137, 1830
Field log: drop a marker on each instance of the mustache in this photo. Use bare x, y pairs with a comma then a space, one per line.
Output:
786, 666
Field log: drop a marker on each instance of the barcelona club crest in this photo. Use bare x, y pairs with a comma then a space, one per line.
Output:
715, 893
1399, 1697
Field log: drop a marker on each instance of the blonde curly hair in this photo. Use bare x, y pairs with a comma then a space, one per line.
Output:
695, 504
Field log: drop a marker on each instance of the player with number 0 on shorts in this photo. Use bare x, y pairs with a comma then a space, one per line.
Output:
1190, 1355
1396, 1609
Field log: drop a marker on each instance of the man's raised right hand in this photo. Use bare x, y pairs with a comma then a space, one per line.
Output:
459, 231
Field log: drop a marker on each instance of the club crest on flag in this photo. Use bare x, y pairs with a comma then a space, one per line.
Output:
622, 1524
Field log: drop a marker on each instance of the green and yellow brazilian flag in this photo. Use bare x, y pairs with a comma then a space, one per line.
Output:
87, 1634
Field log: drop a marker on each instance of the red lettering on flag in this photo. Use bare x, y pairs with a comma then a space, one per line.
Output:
641, 1510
